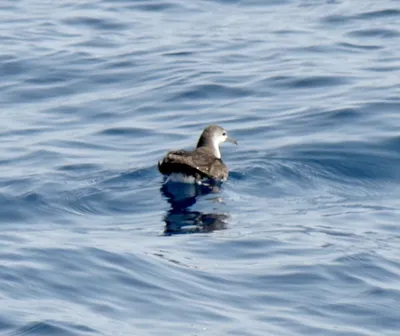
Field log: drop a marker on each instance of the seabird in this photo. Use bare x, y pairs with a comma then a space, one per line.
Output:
203, 163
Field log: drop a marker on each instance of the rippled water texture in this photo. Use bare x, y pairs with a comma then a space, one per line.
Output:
303, 239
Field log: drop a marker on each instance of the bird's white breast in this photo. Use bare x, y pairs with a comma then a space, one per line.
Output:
182, 178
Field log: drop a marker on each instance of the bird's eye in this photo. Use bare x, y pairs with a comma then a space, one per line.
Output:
224, 133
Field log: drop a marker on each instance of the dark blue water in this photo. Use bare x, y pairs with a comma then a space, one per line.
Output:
304, 237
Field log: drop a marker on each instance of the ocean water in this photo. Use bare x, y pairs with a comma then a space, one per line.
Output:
303, 239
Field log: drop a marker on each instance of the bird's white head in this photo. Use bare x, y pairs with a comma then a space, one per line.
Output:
212, 137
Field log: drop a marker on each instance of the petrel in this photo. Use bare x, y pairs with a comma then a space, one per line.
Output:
203, 163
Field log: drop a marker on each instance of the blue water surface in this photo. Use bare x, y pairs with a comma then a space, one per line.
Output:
303, 239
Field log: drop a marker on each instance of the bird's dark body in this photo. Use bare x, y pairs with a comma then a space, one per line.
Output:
200, 163
203, 163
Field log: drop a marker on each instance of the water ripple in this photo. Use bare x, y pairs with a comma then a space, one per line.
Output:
376, 32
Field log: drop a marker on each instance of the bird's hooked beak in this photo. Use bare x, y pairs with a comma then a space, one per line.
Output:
231, 140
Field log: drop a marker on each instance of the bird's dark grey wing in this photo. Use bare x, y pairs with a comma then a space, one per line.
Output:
179, 162
200, 163
206, 162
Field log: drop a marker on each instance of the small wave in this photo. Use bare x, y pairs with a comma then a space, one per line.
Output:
84, 201
352, 168
354, 46
344, 18
335, 19
52, 327
123, 131
95, 23
351, 160
308, 82
210, 91
79, 167
384, 13
157, 6
374, 32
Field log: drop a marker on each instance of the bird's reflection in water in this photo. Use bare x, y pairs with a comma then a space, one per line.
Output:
180, 219
186, 221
